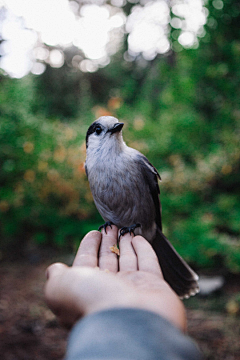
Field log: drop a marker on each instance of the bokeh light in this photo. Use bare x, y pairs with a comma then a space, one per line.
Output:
148, 29
96, 28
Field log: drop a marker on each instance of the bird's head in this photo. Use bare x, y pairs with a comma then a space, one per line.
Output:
105, 132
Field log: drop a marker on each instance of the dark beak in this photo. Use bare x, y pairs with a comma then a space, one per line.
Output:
116, 128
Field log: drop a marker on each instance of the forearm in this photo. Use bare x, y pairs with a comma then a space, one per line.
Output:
129, 334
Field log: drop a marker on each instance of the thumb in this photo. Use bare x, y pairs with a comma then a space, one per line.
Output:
55, 269
59, 294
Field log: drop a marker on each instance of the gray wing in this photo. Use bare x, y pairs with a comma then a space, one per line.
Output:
85, 167
151, 177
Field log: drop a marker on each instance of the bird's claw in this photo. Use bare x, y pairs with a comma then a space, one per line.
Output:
128, 229
104, 226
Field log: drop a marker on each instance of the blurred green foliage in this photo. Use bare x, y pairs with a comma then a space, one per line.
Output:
181, 111
44, 192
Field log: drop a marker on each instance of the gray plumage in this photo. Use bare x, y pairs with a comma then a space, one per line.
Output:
125, 189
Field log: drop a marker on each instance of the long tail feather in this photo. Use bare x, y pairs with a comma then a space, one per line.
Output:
178, 274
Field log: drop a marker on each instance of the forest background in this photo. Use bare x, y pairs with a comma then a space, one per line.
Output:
180, 108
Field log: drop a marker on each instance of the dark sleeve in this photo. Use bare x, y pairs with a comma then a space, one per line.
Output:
127, 334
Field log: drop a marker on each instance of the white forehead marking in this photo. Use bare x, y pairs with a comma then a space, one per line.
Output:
107, 121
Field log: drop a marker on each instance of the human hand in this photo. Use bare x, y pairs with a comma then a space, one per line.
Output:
100, 280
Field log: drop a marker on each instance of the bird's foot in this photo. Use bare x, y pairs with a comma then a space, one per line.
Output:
104, 226
128, 229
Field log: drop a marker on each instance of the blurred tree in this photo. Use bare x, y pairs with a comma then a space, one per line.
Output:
191, 127
44, 194
181, 109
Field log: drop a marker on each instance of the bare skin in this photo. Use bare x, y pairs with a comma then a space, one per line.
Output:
100, 280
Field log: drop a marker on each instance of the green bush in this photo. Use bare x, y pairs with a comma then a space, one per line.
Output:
44, 192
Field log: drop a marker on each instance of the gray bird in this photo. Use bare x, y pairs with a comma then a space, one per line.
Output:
124, 185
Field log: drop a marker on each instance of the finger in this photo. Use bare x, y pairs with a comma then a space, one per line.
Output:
108, 259
128, 257
60, 290
146, 257
87, 254
53, 273
55, 269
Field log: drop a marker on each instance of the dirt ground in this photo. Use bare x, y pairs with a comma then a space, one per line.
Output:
28, 329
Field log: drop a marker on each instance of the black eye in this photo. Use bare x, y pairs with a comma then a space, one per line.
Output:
98, 130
